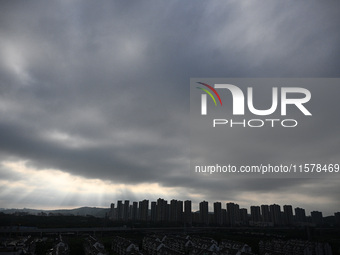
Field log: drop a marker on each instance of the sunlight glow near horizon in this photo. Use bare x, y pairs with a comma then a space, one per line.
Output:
52, 188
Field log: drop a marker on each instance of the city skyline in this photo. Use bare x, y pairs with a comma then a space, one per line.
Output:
94, 100
254, 211
211, 208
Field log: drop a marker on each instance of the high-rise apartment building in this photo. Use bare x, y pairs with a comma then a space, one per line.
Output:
161, 210
233, 212
275, 214
317, 218
153, 211
218, 213
126, 210
187, 212
144, 210
300, 215
288, 214
134, 214
244, 216
265, 213
255, 213
204, 212
119, 210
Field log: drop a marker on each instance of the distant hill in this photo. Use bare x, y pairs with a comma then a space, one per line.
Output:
82, 211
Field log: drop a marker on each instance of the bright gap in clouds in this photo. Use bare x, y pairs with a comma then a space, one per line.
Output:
55, 189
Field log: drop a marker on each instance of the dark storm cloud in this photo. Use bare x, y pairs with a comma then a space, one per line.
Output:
101, 90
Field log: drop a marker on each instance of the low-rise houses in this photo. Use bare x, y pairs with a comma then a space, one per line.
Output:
93, 247
233, 247
16, 245
294, 247
204, 245
192, 245
122, 246
171, 244
153, 245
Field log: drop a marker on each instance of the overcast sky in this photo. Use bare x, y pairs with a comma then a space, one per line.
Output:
94, 96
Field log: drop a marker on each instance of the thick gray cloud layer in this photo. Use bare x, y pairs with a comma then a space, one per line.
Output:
101, 90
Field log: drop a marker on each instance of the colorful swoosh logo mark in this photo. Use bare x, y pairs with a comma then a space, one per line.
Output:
209, 93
